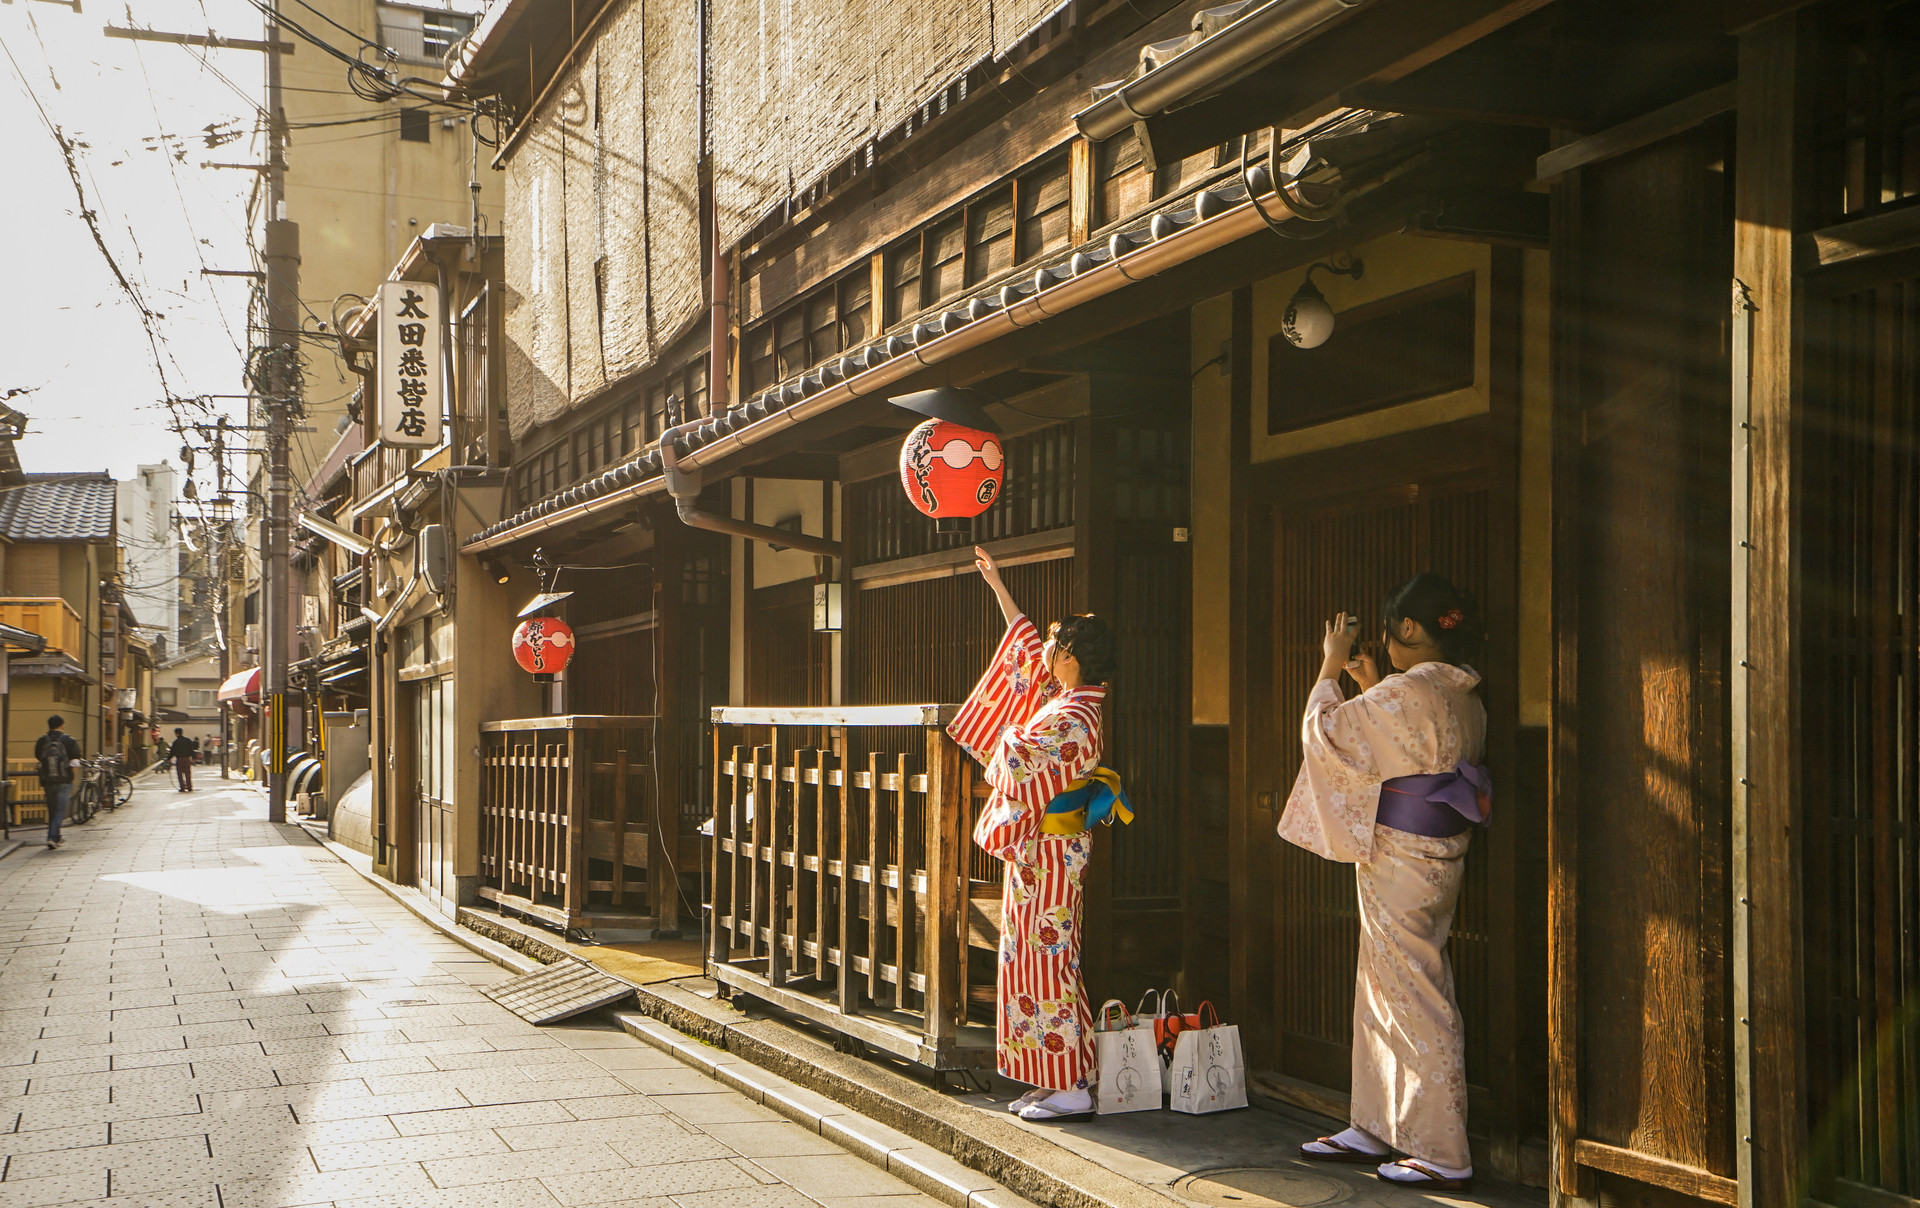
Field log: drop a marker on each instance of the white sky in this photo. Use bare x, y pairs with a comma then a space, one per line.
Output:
69, 336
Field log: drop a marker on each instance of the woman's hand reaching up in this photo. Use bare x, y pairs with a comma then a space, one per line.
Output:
990, 571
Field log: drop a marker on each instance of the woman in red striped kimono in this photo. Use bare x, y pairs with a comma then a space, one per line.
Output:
1034, 721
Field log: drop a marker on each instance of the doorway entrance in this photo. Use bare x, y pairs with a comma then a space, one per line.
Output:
1338, 555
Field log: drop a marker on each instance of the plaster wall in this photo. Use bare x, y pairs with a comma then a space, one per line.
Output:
361, 194
774, 500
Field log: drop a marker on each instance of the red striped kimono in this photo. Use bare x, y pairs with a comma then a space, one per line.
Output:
1035, 739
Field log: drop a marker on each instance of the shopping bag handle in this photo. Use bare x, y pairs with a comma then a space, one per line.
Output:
1107, 1008
1159, 1000
1206, 1010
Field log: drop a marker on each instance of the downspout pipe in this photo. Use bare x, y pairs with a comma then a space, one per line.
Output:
1210, 65
684, 485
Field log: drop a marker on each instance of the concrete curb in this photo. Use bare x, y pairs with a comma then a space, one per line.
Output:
10, 846
416, 905
715, 1037
931, 1171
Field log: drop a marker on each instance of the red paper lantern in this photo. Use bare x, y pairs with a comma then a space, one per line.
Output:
951, 472
544, 646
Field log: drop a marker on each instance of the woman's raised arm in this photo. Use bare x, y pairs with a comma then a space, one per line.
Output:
990, 571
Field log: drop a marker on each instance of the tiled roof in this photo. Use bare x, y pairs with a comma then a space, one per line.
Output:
59, 507
1174, 216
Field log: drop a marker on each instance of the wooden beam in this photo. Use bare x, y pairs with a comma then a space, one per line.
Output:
1635, 133
1645, 1168
1382, 43
1773, 142
1507, 87
1865, 238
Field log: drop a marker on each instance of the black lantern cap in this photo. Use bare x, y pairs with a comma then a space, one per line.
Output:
955, 404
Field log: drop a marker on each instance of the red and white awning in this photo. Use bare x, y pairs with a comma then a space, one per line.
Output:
243, 687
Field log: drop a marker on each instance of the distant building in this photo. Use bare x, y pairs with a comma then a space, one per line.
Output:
145, 527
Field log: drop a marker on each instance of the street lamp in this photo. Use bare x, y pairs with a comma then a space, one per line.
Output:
1309, 320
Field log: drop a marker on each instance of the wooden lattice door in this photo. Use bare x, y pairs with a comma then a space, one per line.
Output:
1331, 556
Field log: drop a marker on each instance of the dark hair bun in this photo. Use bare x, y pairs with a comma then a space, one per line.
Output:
1443, 610
1091, 640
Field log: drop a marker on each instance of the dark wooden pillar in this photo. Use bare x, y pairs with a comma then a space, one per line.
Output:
1252, 812
1773, 143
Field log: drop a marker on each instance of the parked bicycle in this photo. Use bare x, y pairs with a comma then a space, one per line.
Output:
102, 786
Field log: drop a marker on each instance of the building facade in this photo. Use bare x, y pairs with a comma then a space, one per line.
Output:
1621, 343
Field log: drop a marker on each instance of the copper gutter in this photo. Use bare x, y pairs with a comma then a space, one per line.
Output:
1211, 64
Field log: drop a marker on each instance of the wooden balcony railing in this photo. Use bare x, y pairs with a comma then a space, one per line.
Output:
842, 874
49, 616
568, 822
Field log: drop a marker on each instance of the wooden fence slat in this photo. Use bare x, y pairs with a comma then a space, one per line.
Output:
876, 890
822, 807
905, 941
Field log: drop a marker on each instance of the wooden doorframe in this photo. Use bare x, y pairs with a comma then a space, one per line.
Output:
1487, 445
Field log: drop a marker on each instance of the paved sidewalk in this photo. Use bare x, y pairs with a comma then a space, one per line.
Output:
198, 1008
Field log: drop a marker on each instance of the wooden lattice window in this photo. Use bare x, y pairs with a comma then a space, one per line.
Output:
1045, 199
990, 235
1123, 183
946, 273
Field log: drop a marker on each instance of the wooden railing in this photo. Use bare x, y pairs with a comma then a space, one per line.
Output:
841, 873
568, 824
49, 616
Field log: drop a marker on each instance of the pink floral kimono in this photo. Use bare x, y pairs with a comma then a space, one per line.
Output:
1409, 1059
1035, 739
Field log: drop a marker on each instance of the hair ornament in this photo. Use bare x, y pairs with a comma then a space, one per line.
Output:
1453, 618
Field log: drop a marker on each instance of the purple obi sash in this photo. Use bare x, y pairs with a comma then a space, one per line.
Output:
1439, 805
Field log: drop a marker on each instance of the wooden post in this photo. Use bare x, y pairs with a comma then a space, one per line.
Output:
846, 990
757, 894
574, 864
620, 833
1250, 823
822, 800
876, 882
906, 943
946, 936
1769, 197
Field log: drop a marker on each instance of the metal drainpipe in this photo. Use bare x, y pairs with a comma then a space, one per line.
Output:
684, 486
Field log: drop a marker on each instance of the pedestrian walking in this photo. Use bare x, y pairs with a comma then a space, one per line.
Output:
58, 756
1034, 721
1391, 784
183, 752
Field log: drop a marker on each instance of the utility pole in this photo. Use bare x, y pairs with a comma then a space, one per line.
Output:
275, 385
280, 382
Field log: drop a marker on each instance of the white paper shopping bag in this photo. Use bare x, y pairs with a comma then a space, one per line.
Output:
1209, 1069
1128, 1069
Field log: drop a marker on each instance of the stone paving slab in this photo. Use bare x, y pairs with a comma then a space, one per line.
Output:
199, 1009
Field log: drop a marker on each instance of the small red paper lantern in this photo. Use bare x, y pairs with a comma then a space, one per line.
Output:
951, 472
544, 646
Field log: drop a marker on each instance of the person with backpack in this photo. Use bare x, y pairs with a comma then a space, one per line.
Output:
183, 752
59, 758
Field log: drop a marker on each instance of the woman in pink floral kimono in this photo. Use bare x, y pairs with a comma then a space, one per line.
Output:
1391, 784
1034, 721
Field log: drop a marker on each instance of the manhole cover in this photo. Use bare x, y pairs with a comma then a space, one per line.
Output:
1262, 1187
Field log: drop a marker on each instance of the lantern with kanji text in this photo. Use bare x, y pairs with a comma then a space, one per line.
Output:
951, 472
544, 646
